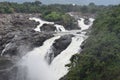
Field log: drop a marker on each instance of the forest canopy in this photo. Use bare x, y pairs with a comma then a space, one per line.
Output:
100, 58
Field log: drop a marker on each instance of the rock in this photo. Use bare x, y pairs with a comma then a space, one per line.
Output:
61, 44
86, 21
17, 37
22, 43
73, 26
17, 31
48, 27
5, 66
58, 46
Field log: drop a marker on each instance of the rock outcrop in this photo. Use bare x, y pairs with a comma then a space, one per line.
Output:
48, 27
59, 45
17, 37
16, 33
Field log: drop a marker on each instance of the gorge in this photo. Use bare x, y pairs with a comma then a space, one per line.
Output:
45, 54
59, 41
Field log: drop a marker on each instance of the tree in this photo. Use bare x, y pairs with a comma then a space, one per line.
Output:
37, 2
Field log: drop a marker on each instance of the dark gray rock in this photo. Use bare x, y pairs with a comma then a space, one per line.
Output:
17, 37
5, 67
22, 43
48, 27
86, 21
17, 31
59, 45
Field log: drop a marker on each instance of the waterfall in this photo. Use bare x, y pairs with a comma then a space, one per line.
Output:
82, 25
58, 64
91, 21
41, 22
60, 28
35, 64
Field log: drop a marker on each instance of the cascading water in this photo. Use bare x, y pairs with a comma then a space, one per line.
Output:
35, 63
41, 23
58, 64
82, 25
34, 66
59, 28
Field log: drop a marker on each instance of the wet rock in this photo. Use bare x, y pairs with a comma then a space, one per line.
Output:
17, 37
61, 44
5, 67
58, 46
17, 31
86, 21
48, 27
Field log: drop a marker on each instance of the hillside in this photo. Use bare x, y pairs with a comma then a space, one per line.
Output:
100, 58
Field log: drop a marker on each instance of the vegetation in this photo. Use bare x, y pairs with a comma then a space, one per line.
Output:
63, 18
53, 16
53, 12
100, 58
38, 7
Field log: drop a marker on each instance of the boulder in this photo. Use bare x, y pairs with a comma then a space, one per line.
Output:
59, 45
48, 27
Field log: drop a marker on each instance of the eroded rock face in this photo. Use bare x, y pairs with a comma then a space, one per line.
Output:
86, 21
58, 46
61, 44
5, 66
17, 37
48, 27
16, 33
21, 43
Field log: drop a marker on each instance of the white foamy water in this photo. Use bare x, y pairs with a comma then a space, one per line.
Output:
82, 25
58, 64
35, 63
60, 28
91, 21
41, 23
37, 67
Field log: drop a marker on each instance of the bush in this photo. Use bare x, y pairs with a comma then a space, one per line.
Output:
53, 16
100, 58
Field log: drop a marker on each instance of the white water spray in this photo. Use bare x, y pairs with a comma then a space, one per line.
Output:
58, 64
41, 23
35, 63
38, 68
60, 28
83, 26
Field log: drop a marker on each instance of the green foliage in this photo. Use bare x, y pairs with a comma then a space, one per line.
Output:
68, 21
100, 58
38, 7
59, 17
53, 16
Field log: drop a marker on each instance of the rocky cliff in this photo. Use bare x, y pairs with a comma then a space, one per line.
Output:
17, 37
